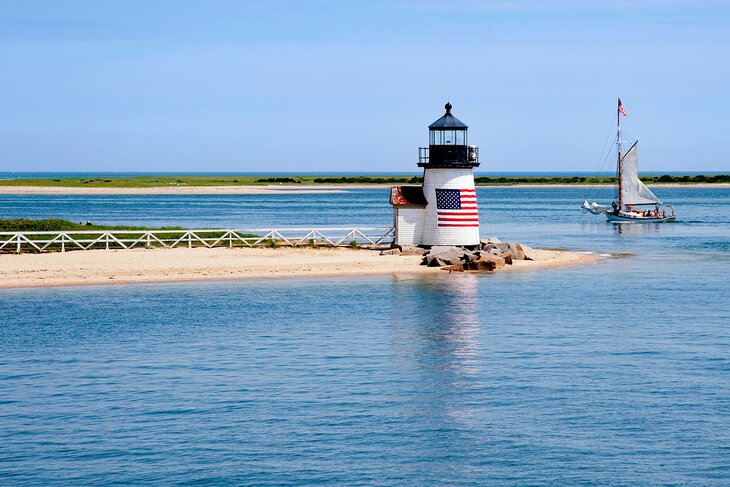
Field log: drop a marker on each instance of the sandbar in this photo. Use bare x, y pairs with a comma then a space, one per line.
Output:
91, 267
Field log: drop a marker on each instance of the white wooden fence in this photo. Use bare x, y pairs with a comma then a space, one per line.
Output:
19, 242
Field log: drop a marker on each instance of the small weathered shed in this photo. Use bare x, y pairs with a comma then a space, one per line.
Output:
408, 210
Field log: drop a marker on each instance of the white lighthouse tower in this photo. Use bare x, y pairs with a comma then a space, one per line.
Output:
444, 211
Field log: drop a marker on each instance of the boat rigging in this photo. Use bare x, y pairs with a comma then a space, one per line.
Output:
635, 200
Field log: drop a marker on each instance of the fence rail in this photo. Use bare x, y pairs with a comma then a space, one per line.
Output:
62, 241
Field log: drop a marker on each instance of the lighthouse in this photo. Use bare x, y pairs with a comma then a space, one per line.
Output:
444, 210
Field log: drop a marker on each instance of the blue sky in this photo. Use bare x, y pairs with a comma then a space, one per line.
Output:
351, 86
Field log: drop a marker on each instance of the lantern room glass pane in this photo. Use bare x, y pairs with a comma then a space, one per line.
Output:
447, 137
460, 138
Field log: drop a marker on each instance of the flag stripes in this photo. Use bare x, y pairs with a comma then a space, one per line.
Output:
457, 207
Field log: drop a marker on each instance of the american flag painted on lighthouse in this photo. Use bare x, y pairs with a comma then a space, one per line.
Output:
457, 207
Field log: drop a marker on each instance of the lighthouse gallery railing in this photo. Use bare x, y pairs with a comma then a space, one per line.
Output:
62, 241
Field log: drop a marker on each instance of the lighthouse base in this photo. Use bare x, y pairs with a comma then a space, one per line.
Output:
451, 220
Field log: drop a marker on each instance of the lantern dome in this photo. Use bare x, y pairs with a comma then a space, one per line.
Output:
448, 121
448, 144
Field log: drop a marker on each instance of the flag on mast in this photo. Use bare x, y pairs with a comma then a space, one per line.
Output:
621, 108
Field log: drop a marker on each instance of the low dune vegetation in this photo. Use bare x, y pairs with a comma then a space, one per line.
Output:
195, 181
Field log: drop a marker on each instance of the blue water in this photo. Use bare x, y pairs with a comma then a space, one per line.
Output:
536, 216
609, 374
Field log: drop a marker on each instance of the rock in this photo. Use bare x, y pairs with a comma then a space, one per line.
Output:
395, 251
502, 246
411, 250
437, 249
490, 257
512, 248
450, 255
506, 256
516, 251
437, 262
470, 266
458, 258
454, 268
489, 241
530, 253
498, 262
485, 266
492, 249
469, 256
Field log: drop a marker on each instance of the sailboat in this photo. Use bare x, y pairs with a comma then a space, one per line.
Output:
636, 202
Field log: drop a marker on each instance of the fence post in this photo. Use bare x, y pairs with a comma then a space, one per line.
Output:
190, 240
148, 240
107, 240
18, 238
63, 242
230, 239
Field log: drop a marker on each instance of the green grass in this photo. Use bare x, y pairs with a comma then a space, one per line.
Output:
56, 225
585, 180
137, 182
172, 181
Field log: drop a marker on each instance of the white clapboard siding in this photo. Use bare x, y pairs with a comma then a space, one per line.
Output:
456, 178
408, 224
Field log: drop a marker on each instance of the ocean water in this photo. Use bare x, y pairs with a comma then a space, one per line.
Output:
609, 374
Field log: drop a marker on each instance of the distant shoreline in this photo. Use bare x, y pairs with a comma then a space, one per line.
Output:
294, 184
288, 189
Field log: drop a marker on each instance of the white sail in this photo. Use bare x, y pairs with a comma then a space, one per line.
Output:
633, 191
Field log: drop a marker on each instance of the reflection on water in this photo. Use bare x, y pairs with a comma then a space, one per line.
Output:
436, 328
446, 311
634, 229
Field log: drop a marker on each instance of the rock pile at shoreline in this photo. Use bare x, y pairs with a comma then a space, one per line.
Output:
490, 256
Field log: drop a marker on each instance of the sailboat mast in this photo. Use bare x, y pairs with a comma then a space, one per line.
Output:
618, 146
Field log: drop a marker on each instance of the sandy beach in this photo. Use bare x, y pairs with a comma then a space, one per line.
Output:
182, 264
280, 189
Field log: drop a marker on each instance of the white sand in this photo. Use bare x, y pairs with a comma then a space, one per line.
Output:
552, 258
160, 265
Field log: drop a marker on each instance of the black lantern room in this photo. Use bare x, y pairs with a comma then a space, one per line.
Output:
448, 145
